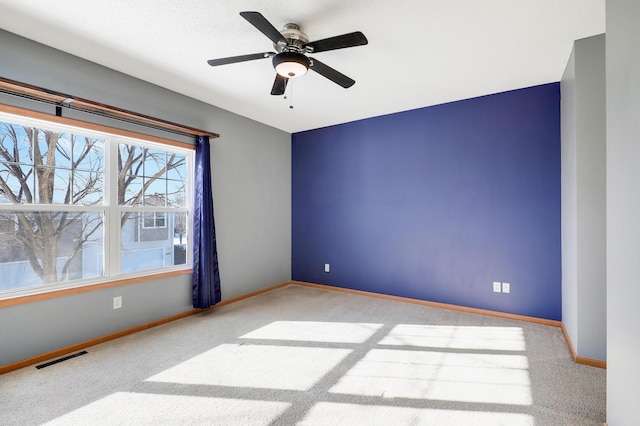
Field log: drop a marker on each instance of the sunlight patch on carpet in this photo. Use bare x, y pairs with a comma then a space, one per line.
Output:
150, 409
481, 378
255, 366
457, 337
312, 331
337, 414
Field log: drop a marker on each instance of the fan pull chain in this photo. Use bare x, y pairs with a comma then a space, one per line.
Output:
291, 97
290, 94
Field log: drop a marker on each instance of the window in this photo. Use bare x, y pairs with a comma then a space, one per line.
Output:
79, 206
154, 220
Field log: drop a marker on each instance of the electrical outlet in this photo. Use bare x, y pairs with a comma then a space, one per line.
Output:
496, 287
117, 302
506, 288
326, 267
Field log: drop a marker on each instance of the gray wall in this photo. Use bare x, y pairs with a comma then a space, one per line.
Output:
569, 198
583, 116
623, 211
251, 166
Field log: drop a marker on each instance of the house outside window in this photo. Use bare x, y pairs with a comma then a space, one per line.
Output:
78, 206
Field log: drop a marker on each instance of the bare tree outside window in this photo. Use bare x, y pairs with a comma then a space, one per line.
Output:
144, 177
46, 168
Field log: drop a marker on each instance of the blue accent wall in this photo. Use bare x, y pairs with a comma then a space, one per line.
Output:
436, 203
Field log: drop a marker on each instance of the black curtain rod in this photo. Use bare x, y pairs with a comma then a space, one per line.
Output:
61, 101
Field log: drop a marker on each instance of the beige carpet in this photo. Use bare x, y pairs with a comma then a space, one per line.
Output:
303, 356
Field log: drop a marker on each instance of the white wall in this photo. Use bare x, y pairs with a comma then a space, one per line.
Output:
251, 165
583, 115
623, 211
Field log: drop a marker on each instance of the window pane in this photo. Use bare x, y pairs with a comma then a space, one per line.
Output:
149, 220
53, 185
88, 188
53, 149
15, 143
176, 193
145, 248
177, 167
155, 192
16, 171
180, 229
180, 238
16, 183
132, 192
130, 160
88, 153
47, 247
155, 163
160, 220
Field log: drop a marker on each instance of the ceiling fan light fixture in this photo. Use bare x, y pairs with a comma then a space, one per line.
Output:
291, 64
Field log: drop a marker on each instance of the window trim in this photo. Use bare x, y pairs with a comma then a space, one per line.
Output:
52, 290
89, 287
26, 113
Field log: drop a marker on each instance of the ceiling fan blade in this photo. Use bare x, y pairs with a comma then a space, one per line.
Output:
331, 74
260, 22
337, 42
241, 58
279, 85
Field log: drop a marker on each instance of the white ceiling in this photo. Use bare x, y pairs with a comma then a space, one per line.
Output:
420, 52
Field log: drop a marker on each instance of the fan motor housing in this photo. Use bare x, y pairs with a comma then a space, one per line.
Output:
295, 39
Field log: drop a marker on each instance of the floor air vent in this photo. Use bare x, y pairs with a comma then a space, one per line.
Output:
64, 358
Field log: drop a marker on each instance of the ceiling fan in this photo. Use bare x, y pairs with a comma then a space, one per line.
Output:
292, 47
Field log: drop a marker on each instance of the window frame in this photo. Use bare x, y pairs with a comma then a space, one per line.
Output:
110, 209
